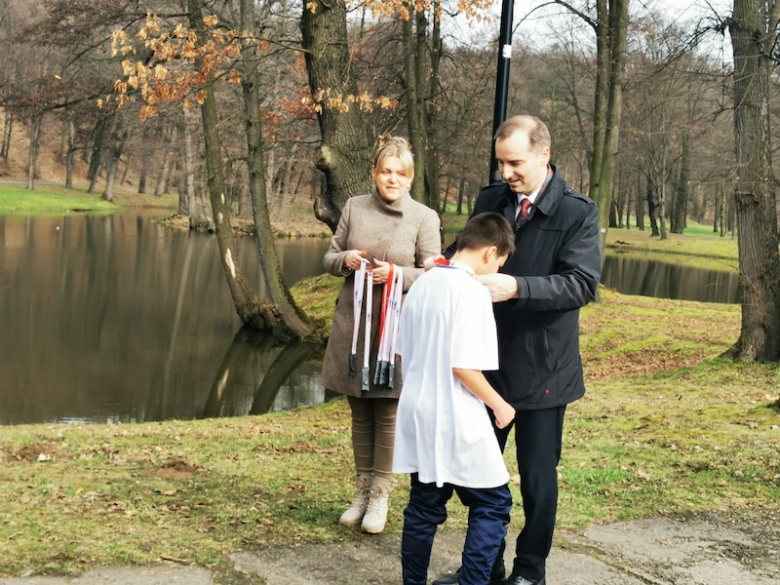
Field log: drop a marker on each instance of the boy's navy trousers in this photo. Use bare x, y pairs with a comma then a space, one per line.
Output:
488, 518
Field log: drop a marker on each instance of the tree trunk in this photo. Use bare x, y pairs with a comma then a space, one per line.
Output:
618, 31
246, 302
681, 197
36, 131
64, 133
344, 155
7, 129
600, 104
146, 157
165, 169
662, 203
432, 111
95, 161
753, 35
639, 207
283, 317
629, 200
414, 117
461, 191
115, 152
652, 210
189, 172
69, 156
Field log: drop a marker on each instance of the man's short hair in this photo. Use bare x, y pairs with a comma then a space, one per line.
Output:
488, 229
536, 130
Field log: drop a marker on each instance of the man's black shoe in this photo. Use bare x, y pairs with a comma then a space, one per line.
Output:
518, 580
452, 579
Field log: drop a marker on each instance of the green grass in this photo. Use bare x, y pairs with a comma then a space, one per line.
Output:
700, 229
706, 246
56, 200
665, 426
15, 199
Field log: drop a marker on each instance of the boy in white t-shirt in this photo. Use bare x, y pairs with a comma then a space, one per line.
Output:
444, 437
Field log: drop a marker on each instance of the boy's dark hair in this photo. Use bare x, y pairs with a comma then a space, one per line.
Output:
488, 229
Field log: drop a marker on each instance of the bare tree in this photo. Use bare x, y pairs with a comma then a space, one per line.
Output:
753, 30
344, 154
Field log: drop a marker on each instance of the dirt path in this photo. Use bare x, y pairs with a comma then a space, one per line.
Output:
697, 550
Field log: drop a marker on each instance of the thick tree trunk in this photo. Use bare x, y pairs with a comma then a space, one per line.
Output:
146, 158
414, 116
189, 172
432, 111
461, 191
753, 32
618, 30
662, 204
652, 210
247, 304
601, 92
344, 155
165, 169
95, 161
717, 214
613, 215
283, 316
639, 207
7, 129
681, 197
115, 152
69, 156
36, 131
629, 200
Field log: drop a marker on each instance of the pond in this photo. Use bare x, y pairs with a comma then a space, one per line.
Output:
116, 319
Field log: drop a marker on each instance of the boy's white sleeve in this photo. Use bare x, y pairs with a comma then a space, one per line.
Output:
474, 340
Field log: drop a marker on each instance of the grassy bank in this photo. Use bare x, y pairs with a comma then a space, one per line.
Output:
15, 199
698, 240
665, 427
47, 199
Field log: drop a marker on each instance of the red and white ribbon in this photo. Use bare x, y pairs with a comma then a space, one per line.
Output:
357, 310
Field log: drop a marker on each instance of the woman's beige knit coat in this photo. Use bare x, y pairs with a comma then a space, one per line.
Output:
403, 232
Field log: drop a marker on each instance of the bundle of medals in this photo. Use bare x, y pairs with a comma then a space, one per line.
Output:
392, 293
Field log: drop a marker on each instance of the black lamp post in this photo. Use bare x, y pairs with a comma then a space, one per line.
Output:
502, 80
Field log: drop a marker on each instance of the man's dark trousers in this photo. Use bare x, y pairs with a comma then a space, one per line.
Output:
488, 518
538, 438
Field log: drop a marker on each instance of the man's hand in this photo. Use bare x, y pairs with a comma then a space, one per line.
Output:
352, 259
502, 287
505, 414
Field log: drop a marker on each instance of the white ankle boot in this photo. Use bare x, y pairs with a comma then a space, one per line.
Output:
359, 505
376, 515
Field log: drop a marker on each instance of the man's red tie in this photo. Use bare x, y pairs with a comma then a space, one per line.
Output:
524, 205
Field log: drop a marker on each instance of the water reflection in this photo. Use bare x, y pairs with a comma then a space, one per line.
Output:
253, 371
646, 276
114, 318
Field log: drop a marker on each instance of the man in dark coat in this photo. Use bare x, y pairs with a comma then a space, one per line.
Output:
554, 271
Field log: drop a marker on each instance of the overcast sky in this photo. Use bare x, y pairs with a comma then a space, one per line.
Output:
541, 22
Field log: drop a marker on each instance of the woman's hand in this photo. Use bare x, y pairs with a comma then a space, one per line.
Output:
430, 261
381, 271
352, 259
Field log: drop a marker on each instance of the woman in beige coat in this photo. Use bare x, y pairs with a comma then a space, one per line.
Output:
386, 226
